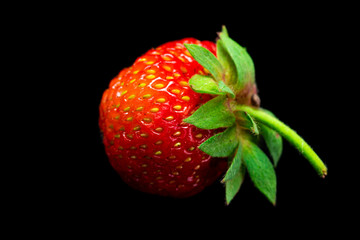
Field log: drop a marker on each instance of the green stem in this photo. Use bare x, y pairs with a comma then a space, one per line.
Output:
289, 134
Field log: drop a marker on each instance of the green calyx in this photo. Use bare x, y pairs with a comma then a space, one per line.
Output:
232, 71
235, 108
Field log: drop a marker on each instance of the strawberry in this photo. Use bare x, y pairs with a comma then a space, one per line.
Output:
141, 117
188, 112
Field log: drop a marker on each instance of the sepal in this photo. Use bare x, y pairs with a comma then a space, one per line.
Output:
244, 65
222, 144
260, 169
233, 185
234, 165
226, 61
246, 121
205, 84
206, 59
273, 142
224, 88
272, 139
211, 115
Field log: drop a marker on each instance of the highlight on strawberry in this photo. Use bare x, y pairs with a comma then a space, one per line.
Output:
185, 114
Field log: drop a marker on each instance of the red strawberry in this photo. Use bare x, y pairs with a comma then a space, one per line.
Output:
141, 117
183, 112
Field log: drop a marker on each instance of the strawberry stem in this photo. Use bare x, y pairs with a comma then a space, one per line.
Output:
289, 134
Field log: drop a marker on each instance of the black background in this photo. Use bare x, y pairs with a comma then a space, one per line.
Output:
298, 79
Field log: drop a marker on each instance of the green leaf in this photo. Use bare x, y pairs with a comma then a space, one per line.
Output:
235, 165
224, 88
222, 144
273, 141
233, 185
260, 170
205, 84
243, 63
247, 121
206, 59
213, 114
227, 62
224, 31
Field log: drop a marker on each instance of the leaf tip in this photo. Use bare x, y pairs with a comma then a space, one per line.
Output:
224, 31
185, 120
189, 47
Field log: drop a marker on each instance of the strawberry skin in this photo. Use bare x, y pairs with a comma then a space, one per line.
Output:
141, 117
